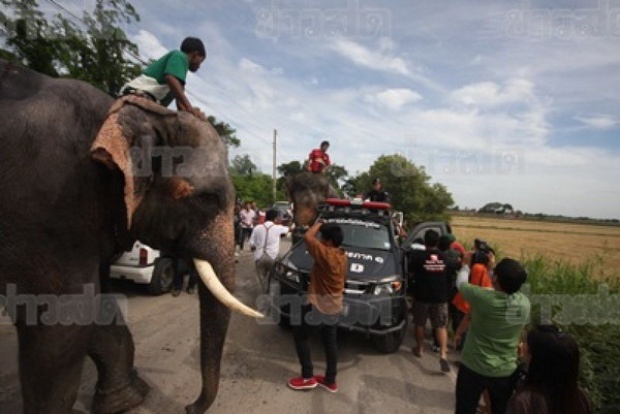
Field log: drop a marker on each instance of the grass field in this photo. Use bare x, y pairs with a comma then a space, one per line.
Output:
568, 242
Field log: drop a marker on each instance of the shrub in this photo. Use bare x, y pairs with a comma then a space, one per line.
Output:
587, 308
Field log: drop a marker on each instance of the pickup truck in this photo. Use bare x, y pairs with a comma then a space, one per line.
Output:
376, 281
145, 265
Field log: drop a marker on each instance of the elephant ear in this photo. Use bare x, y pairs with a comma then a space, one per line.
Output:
115, 143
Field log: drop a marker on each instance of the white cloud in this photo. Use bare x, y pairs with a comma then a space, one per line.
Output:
150, 47
598, 121
394, 98
490, 94
495, 122
247, 65
363, 56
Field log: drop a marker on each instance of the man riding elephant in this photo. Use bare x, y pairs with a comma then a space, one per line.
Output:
81, 178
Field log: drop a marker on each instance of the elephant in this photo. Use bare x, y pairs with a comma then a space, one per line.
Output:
307, 190
82, 177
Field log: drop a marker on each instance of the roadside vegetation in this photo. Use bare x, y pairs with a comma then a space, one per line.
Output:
588, 308
573, 282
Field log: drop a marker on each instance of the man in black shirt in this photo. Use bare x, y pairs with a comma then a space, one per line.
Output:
377, 193
430, 294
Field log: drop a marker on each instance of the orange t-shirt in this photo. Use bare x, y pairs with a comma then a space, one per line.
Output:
479, 276
327, 276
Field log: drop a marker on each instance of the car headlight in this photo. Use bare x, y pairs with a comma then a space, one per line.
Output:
289, 271
388, 286
292, 275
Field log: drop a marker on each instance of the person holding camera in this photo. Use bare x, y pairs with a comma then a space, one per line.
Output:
324, 305
482, 263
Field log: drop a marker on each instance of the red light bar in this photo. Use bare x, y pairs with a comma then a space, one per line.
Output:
375, 205
338, 202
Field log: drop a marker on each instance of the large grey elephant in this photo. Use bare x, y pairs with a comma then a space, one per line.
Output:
81, 177
307, 191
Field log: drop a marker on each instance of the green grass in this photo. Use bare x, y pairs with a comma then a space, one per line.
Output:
575, 298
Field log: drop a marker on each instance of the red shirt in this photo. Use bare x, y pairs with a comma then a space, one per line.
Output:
318, 160
458, 247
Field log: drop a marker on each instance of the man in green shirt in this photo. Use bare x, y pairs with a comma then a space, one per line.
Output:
489, 358
164, 80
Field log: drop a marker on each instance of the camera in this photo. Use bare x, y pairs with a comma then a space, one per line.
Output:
482, 245
481, 253
480, 257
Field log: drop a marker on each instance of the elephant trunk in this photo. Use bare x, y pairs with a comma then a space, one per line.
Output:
214, 318
216, 302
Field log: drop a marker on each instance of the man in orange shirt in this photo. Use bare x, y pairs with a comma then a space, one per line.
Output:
325, 298
483, 261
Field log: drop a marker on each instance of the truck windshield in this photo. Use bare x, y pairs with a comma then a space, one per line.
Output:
364, 234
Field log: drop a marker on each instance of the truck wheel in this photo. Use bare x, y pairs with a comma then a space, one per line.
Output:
163, 275
391, 342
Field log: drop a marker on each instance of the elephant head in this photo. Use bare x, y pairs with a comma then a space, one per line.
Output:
82, 176
307, 190
179, 197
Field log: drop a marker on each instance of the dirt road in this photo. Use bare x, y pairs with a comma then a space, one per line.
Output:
258, 359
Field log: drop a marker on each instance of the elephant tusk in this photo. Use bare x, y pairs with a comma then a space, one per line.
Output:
209, 278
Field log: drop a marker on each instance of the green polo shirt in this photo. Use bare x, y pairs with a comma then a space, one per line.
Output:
173, 63
153, 79
497, 320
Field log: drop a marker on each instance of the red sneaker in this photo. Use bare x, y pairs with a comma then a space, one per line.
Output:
301, 383
320, 379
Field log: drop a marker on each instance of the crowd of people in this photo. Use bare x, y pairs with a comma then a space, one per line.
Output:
510, 368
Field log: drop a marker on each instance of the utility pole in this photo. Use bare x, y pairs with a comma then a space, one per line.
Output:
275, 137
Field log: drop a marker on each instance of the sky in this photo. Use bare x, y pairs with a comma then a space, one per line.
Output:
510, 101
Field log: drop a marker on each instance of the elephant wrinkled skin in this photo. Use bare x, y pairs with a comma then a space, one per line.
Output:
71, 200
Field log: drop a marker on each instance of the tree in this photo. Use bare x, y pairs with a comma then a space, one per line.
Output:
255, 188
251, 184
286, 170
290, 168
92, 48
494, 208
243, 166
336, 174
409, 187
226, 132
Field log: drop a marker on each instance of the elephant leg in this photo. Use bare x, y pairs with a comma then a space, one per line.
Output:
50, 365
112, 350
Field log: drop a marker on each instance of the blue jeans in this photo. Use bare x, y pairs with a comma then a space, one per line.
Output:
311, 321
